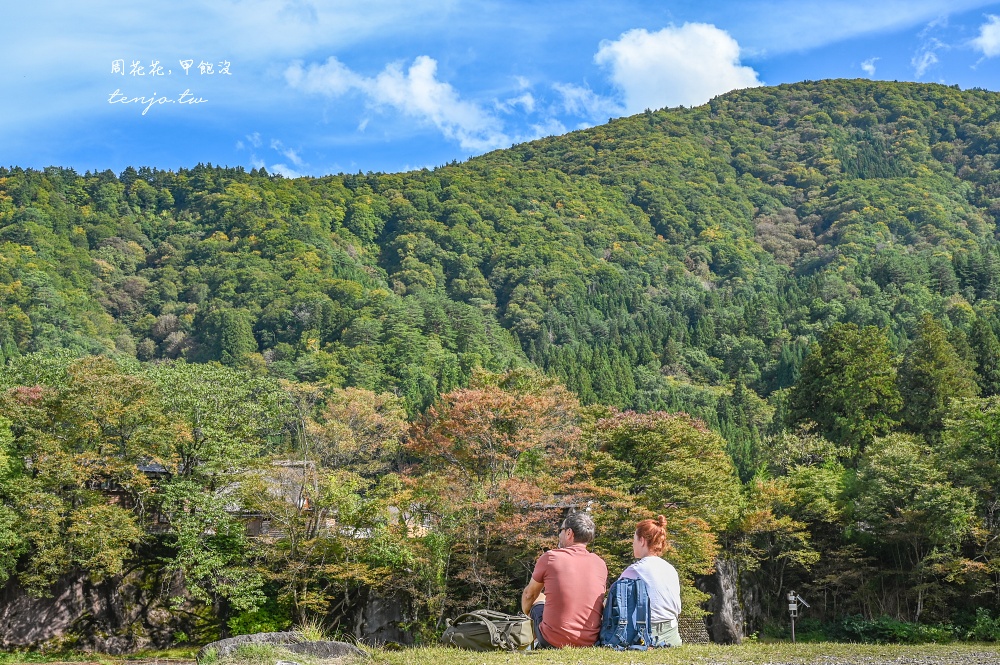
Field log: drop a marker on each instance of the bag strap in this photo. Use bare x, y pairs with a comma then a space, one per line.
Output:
499, 636
643, 612
507, 634
493, 615
510, 623
477, 617
606, 620
622, 601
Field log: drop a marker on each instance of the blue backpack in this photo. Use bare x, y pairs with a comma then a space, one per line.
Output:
626, 617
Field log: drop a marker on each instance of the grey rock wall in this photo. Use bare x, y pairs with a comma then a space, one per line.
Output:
115, 616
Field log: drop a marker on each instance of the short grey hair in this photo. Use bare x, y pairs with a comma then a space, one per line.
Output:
582, 526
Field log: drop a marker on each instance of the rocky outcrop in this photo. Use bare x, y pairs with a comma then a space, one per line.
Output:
726, 621
126, 613
117, 615
382, 617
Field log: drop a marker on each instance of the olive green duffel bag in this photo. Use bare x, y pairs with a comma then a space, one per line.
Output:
486, 630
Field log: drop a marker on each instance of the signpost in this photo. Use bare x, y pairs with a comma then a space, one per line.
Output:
793, 609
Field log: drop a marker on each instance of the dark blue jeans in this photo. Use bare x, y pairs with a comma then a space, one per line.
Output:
536, 622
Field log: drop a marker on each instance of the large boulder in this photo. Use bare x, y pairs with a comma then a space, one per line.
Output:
326, 649
290, 641
223, 648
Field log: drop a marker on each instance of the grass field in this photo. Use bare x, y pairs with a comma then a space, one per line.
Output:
822, 653
828, 653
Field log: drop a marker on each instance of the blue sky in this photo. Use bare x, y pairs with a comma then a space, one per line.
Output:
312, 87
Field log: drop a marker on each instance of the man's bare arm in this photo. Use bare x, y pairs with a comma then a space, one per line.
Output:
530, 595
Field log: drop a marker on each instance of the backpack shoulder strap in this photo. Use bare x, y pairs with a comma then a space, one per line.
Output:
642, 613
619, 613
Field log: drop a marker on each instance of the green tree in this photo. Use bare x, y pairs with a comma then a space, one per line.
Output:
670, 464
848, 386
906, 504
971, 451
932, 374
231, 335
222, 418
65, 447
986, 350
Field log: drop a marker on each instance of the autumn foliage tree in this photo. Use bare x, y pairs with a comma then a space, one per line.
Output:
325, 496
488, 460
64, 446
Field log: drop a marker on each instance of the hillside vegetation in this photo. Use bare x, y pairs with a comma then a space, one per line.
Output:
811, 271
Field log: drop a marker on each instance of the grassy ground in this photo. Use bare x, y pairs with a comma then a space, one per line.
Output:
747, 654
163, 657
827, 653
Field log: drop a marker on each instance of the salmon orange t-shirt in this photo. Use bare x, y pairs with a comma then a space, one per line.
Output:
575, 581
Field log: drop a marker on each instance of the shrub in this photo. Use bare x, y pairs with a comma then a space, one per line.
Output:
985, 628
886, 630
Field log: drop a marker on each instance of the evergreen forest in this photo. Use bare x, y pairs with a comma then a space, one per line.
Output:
773, 319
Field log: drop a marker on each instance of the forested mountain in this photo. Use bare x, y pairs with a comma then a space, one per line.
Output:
640, 261
676, 260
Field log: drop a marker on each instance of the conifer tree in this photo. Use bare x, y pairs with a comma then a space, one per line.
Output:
986, 349
931, 376
848, 386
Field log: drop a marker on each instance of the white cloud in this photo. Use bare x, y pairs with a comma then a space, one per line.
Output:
549, 127
926, 56
687, 65
415, 92
525, 101
276, 145
868, 66
293, 156
581, 101
923, 59
988, 41
939, 22
284, 170
333, 78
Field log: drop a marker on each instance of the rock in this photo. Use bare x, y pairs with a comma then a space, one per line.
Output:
726, 621
382, 617
116, 615
330, 649
225, 647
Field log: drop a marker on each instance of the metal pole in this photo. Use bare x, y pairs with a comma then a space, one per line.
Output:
793, 629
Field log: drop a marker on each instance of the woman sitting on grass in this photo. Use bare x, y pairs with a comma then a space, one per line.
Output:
661, 580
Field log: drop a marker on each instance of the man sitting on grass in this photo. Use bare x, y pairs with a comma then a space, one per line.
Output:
575, 580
